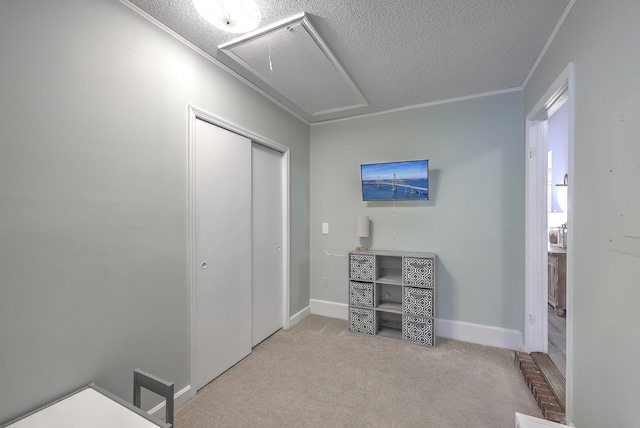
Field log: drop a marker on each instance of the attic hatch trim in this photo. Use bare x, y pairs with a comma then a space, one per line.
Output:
322, 53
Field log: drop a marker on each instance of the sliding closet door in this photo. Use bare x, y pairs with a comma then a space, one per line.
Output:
222, 250
266, 302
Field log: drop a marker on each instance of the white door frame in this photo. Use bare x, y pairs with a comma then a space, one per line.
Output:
196, 113
536, 314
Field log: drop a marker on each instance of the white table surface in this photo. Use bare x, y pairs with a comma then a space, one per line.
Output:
526, 421
86, 408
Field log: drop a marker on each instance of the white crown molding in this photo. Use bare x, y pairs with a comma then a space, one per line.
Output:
549, 40
416, 106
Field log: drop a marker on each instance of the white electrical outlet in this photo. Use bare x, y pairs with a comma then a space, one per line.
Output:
325, 228
325, 282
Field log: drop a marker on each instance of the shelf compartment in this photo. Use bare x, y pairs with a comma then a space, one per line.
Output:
389, 324
390, 333
390, 279
418, 272
390, 307
389, 269
361, 294
389, 296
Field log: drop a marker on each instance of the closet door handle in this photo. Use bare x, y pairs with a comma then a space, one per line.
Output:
203, 265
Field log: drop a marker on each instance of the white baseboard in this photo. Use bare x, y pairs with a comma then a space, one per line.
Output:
329, 309
180, 398
295, 319
457, 330
477, 333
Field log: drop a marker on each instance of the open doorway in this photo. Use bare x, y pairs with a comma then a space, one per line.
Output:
557, 226
548, 267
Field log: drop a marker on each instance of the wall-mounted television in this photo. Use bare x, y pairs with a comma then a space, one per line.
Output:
395, 181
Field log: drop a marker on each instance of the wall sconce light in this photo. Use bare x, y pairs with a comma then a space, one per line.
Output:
565, 181
562, 193
362, 230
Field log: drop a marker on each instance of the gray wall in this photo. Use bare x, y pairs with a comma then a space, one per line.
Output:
474, 219
601, 38
93, 195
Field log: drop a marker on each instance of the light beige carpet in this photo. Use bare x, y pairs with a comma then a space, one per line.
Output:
319, 374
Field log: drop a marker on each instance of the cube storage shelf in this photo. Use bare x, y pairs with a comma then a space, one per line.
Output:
393, 294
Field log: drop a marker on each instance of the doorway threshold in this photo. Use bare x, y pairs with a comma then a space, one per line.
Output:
555, 379
545, 382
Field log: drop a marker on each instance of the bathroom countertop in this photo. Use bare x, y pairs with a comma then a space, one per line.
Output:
555, 249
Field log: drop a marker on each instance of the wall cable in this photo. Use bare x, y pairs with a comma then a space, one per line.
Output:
394, 225
325, 249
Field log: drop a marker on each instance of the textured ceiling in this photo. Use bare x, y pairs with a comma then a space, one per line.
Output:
399, 53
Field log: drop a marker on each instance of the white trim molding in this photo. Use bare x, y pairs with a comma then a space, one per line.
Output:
553, 35
457, 330
536, 321
536, 314
417, 106
286, 236
497, 337
329, 309
295, 319
180, 399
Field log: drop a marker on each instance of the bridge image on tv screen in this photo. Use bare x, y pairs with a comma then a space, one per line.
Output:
395, 181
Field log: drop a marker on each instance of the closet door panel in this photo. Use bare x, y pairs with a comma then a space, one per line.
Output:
222, 250
267, 288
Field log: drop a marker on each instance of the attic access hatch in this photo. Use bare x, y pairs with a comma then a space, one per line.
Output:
291, 58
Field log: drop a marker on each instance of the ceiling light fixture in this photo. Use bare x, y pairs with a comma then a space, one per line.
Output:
234, 16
